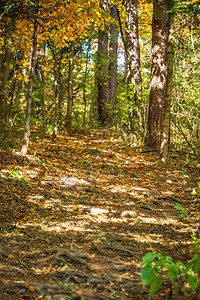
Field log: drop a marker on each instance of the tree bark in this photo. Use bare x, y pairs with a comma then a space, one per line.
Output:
132, 55
133, 43
158, 74
113, 47
165, 137
30, 85
5, 74
102, 73
55, 128
38, 106
70, 95
84, 87
5, 58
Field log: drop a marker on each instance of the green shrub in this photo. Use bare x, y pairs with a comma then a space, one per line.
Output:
155, 263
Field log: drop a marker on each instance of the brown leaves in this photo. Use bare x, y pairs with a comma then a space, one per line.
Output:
86, 214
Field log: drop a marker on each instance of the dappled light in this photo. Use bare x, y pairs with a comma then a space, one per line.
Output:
99, 150
83, 212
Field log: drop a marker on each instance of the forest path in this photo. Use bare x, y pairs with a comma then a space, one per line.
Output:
78, 215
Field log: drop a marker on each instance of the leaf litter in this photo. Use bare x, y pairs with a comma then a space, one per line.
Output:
78, 215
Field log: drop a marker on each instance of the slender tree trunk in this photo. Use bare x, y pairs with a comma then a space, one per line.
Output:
132, 55
93, 113
30, 86
38, 105
84, 87
165, 137
6, 56
13, 91
55, 129
158, 74
70, 78
132, 40
5, 73
102, 73
134, 52
61, 95
113, 47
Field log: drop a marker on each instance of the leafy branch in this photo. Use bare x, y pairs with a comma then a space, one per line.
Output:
155, 263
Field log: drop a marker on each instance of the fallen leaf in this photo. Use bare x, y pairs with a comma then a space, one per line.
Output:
31, 288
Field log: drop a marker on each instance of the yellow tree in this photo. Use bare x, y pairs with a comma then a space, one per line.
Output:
61, 22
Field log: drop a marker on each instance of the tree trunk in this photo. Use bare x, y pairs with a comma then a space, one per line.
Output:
102, 73
134, 52
158, 73
113, 47
5, 73
38, 106
5, 58
132, 55
61, 94
55, 129
70, 78
84, 87
30, 85
165, 138
93, 113
132, 40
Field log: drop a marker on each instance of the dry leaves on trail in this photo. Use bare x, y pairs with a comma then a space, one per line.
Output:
77, 218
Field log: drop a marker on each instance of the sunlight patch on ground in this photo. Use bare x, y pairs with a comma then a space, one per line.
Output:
127, 189
170, 221
149, 220
150, 238
159, 221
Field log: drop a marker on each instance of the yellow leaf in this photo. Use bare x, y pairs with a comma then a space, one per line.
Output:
80, 292
31, 288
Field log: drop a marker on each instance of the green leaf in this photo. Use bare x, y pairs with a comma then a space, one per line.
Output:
181, 216
160, 256
193, 192
173, 272
159, 265
155, 284
179, 207
32, 3
168, 259
149, 257
147, 274
196, 263
180, 265
192, 281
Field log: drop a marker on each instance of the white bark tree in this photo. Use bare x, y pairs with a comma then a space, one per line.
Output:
30, 85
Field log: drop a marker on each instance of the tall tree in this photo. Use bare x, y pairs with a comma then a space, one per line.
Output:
39, 83
70, 95
113, 47
30, 85
102, 71
5, 58
160, 29
9, 11
56, 75
165, 137
132, 55
134, 52
132, 40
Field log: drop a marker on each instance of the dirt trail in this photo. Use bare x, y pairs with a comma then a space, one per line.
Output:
78, 215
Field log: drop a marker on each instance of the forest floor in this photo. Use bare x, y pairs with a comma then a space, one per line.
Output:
78, 215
